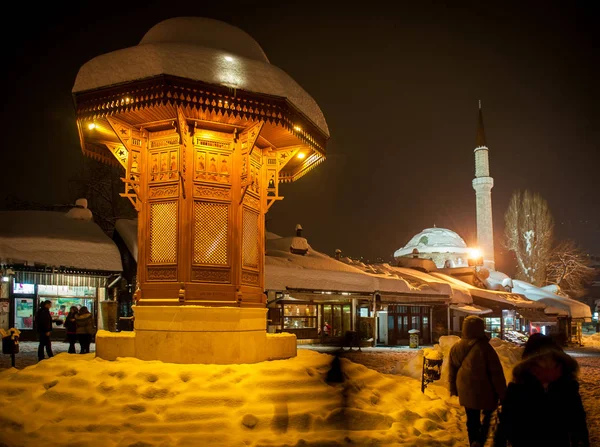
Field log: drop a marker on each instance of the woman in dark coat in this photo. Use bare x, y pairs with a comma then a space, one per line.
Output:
71, 327
543, 405
476, 376
85, 329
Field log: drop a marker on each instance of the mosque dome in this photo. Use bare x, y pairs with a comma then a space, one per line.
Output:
436, 241
207, 33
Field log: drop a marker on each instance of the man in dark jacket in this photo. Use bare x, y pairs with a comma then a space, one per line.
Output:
476, 377
542, 404
43, 325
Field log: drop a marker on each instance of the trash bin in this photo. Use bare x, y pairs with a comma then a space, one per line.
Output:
10, 345
413, 338
125, 324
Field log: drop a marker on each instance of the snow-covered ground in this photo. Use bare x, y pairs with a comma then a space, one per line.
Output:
83, 401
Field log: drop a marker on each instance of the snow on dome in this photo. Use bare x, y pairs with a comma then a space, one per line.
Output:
434, 240
52, 238
202, 50
208, 33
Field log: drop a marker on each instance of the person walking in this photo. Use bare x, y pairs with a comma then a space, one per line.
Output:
71, 327
43, 325
546, 378
476, 377
85, 329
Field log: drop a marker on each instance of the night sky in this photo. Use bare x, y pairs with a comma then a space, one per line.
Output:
399, 87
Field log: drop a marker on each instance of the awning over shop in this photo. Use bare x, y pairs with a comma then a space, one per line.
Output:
61, 279
537, 316
471, 309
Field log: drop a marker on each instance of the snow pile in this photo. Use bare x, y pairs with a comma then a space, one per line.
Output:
591, 341
508, 353
84, 401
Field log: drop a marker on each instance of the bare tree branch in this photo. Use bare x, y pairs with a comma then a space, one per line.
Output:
569, 268
528, 232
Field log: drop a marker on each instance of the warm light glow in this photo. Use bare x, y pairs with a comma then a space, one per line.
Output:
228, 58
475, 253
92, 126
297, 128
301, 155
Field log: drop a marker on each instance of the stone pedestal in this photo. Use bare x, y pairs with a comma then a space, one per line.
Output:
197, 334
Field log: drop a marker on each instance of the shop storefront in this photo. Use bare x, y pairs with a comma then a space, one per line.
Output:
320, 320
26, 297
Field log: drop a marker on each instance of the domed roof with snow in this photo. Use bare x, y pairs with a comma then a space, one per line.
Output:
207, 33
434, 240
198, 49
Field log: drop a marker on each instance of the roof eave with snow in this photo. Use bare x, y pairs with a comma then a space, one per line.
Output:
213, 66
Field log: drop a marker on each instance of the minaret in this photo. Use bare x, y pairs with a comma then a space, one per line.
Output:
483, 184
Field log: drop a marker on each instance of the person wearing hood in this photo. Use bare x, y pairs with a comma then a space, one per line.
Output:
85, 329
477, 378
542, 404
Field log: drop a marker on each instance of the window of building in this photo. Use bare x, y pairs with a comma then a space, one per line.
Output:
493, 326
299, 316
24, 313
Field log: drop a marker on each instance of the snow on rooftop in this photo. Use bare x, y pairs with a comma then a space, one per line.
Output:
514, 299
420, 279
434, 240
317, 271
127, 229
576, 309
555, 304
54, 239
202, 50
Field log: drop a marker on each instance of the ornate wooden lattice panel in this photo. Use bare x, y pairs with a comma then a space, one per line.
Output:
250, 249
163, 232
211, 233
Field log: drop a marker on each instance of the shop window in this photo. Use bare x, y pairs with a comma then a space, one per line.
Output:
24, 313
299, 316
23, 289
60, 308
493, 327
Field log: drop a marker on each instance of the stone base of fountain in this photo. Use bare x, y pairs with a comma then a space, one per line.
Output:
197, 334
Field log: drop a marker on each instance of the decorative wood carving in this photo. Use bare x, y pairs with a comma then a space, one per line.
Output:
211, 192
204, 275
166, 142
251, 202
252, 135
156, 192
164, 166
162, 273
212, 166
185, 137
250, 278
120, 153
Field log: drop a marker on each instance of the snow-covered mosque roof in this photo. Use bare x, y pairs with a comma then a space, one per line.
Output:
434, 240
199, 49
54, 239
